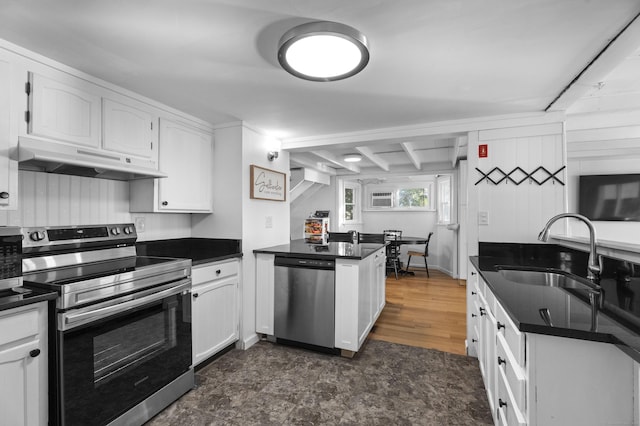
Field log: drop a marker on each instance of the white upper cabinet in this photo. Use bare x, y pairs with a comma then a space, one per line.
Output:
186, 156
129, 129
8, 167
64, 108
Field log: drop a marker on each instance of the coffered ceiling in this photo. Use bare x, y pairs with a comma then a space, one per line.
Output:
431, 61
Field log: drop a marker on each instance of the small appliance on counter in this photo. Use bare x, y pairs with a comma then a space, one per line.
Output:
10, 259
316, 230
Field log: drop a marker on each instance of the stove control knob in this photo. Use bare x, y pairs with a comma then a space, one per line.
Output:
115, 231
128, 230
37, 236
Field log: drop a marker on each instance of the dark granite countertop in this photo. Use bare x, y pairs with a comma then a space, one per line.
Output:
618, 315
199, 250
302, 249
10, 299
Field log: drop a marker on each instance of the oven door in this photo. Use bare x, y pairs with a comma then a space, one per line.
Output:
115, 354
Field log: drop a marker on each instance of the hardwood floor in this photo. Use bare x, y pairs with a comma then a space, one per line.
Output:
424, 312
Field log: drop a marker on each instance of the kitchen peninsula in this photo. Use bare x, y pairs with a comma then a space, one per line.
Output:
359, 280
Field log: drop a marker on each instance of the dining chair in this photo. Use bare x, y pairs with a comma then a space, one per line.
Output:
424, 254
371, 238
340, 237
393, 253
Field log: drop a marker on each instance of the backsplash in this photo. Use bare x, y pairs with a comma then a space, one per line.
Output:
53, 200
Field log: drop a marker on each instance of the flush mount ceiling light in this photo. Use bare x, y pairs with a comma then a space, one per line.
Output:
323, 51
352, 158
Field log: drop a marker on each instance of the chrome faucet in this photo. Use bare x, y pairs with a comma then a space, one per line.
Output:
594, 269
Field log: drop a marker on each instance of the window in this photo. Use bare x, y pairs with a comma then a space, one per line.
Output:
444, 199
413, 197
402, 196
349, 203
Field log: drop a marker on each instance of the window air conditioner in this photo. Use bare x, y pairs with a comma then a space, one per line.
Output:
382, 199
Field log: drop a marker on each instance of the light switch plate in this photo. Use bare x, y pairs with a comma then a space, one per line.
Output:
269, 222
483, 218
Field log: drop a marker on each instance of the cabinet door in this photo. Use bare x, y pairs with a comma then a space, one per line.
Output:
64, 109
23, 353
127, 129
8, 167
215, 317
186, 156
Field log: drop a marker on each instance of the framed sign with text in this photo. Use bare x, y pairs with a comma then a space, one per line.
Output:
268, 184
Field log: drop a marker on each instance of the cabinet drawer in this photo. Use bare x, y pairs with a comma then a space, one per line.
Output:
17, 326
511, 334
512, 371
214, 271
508, 413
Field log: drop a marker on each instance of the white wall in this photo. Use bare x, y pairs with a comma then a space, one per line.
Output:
57, 200
516, 213
236, 215
603, 137
319, 197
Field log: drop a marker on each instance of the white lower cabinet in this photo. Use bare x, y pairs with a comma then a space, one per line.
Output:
215, 308
538, 379
360, 289
23, 365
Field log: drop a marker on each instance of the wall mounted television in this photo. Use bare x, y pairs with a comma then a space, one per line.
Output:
610, 197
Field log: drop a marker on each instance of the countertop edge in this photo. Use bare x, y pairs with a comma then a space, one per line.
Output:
36, 296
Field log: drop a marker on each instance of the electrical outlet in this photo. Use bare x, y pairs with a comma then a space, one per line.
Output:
269, 222
483, 218
139, 224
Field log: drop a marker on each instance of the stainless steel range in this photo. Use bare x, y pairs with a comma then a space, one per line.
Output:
120, 335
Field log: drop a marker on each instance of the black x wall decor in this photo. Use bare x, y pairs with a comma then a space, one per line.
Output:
503, 176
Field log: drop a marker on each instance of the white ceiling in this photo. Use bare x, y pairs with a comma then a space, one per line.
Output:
431, 60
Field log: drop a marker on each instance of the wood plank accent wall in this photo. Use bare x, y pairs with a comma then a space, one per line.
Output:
54, 200
517, 213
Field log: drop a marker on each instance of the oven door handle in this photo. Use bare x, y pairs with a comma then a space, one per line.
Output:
72, 319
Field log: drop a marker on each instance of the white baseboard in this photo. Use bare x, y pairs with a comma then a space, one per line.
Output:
247, 342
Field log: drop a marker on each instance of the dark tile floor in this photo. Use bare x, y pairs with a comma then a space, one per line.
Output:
384, 384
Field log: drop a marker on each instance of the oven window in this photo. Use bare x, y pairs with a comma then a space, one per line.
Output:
111, 365
121, 349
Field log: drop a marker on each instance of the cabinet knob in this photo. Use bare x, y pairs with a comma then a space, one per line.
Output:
501, 403
34, 353
500, 325
482, 312
502, 361
165, 203
195, 295
4, 195
473, 293
473, 315
473, 273
218, 271
474, 340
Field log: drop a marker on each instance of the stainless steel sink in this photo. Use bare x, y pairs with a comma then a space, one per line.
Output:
547, 278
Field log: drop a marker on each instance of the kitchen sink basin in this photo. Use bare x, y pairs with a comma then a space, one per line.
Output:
547, 278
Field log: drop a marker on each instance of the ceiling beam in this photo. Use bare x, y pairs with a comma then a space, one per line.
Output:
411, 153
303, 161
335, 160
373, 157
460, 141
620, 47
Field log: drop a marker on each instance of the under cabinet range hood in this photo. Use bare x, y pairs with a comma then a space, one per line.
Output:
51, 157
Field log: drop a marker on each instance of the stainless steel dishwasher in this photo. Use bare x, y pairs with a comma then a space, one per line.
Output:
304, 305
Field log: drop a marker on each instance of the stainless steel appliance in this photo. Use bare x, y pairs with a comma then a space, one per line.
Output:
120, 336
304, 305
10, 258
